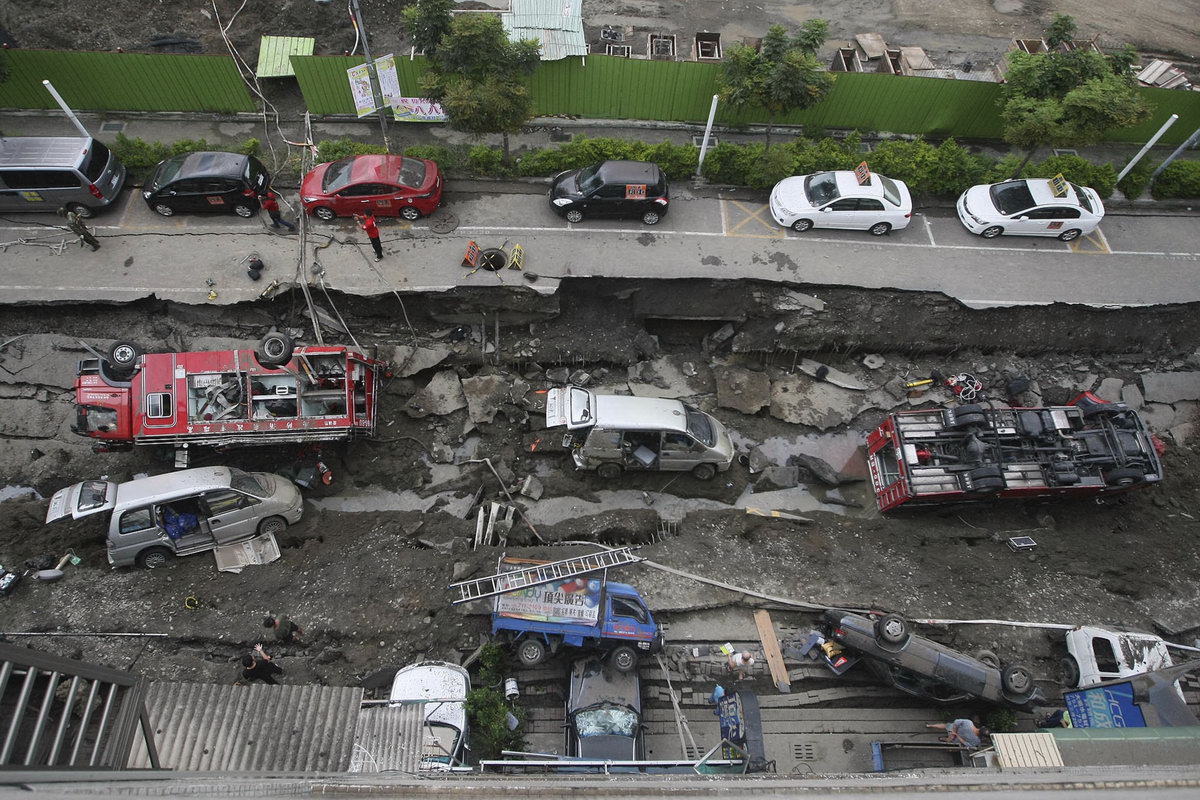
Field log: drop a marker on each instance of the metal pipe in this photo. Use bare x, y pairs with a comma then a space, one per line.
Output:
18, 711
108, 705
1147, 146
84, 719
61, 733
712, 113
66, 109
43, 714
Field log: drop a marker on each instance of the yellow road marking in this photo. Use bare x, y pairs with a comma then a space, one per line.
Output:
1097, 244
751, 214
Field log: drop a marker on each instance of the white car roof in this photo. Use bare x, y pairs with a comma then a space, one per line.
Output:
848, 185
435, 680
1043, 193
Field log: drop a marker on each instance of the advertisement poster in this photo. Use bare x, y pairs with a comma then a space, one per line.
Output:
574, 600
389, 81
417, 109
360, 87
1104, 707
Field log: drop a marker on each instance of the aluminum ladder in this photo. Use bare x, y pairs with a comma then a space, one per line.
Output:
541, 573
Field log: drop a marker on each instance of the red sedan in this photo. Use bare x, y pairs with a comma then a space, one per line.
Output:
388, 185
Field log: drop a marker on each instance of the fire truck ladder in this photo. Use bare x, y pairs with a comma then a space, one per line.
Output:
541, 573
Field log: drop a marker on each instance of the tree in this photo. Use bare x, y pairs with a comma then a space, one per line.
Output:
427, 21
479, 76
782, 76
1067, 99
1061, 30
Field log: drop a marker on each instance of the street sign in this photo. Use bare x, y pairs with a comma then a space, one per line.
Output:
471, 257
417, 109
863, 174
389, 81
1058, 184
360, 88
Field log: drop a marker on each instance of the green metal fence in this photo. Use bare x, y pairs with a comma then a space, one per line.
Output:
327, 91
124, 81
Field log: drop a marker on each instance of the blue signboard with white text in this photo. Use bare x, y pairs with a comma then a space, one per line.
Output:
1109, 706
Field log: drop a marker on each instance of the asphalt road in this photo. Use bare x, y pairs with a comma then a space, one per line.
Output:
1130, 261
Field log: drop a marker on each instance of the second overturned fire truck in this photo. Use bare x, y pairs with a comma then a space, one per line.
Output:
275, 393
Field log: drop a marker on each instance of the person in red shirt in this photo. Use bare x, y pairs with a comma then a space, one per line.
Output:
367, 221
270, 203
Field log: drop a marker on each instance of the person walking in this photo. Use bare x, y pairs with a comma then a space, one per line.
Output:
258, 666
270, 203
961, 731
76, 225
367, 221
740, 662
285, 630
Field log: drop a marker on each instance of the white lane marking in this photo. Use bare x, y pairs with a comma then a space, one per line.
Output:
724, 222
929, 230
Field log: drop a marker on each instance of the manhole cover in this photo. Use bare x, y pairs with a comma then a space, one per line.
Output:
443, 223
112, 127
493, 259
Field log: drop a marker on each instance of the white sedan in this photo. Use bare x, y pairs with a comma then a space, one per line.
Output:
838, 200
1030, 207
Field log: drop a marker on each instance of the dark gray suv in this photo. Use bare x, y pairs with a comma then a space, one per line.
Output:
924, 668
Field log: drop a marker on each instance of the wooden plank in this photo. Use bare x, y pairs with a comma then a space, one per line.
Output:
766, 634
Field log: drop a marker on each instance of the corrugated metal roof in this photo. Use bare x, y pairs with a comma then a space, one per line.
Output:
214, 727
557, 24
389, 738
275, 52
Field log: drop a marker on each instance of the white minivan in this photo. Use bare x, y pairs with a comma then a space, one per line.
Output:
611, 434
155, 519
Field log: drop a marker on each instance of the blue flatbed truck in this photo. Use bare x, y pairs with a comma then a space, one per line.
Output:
576, 612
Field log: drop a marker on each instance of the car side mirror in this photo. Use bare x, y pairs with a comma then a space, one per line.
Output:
826, 209
1021, 218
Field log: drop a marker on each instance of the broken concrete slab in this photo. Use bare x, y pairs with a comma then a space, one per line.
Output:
1110, 390
788, 300
824, 372
744, 390
1085, 383
757, 461
33, 419
873, 361
801, 401
441, 396
441, 453
817, 467
1182, 433
1171, 387
666, 377
532, 488
43, 360
443, 542
408, 360
485, 394
558, 374
1131, 396
775, 478
1158, 416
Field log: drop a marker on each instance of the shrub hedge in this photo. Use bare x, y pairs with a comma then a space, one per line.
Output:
140, 156
1179, 179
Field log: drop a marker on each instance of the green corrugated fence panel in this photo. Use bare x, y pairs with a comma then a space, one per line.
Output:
326, 89
1165, 102
125, 81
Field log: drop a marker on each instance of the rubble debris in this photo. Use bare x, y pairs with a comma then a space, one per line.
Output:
1131, 396
408, 360
784, 300
774, 478
721, 334
757, 461
1158, 416
443, 395
1110, 390
1181, 433
441, 453
557, 374
580, 378
665, 377
1171, 387
873, 361
823, 372
485, 394
798, 400
443, 542
817, 467
744, 390
835, 497
532, 488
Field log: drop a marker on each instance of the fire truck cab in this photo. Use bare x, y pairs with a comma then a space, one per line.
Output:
276, 393
972, 452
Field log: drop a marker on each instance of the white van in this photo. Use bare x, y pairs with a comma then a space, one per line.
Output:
182, 513
612, 433
46, 173
1104, 654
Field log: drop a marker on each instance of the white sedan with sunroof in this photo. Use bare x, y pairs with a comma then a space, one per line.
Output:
1030, 207
838, 200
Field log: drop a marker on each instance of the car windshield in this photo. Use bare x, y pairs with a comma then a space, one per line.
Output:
1085, 202
821, 188
412, 173
1012, 197
606, 720
891, 192
92, 495
337, 174
245, 482
167, 172
699, 427
589, 179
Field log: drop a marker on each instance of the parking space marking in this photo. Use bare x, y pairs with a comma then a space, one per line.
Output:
751, 214
929, 230
1093, 244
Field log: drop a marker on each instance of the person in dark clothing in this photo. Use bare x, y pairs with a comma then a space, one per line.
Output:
285, 629
258, 666
270, 203
372, 230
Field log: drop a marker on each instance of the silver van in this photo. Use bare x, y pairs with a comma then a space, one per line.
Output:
182, 513
46, 173
611, 434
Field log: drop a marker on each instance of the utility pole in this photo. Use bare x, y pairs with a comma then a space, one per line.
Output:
1191, 140
376, 91
712, 114
1147, 146
66, 108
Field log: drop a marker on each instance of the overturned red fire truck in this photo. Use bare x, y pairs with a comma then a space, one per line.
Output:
273, 394
973, 452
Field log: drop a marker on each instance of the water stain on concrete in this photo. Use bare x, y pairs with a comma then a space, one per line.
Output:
712, 261
647, 239
783, 261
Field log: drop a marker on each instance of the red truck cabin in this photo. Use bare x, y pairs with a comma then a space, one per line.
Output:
977, 453
226, 397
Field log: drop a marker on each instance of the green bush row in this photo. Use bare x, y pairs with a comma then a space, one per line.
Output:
1179, 179
140, 156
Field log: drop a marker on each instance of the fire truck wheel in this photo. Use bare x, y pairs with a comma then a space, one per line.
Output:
609, 471
155, 557
623, 658
968, 408
531, 652
123, 356
275, 349
1017, 680
989, 471
958, 420
892, 629
273, 525
1128, 476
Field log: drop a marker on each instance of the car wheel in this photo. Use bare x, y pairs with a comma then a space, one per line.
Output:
623, 658
880, 229
1068, 669
272, 525
992, 232
410, 213
81, 211
989, 658
892, 629
574, 215
1070, 236
801, 225
704, 472
244, 211
1127, 476
1016, 680
324, 212
530, 652
164, 210
609, 471
275, 349
155, 557
651, 218
123, 356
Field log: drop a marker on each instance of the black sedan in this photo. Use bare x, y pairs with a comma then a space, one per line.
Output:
604, 712
633, 189
206, 182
